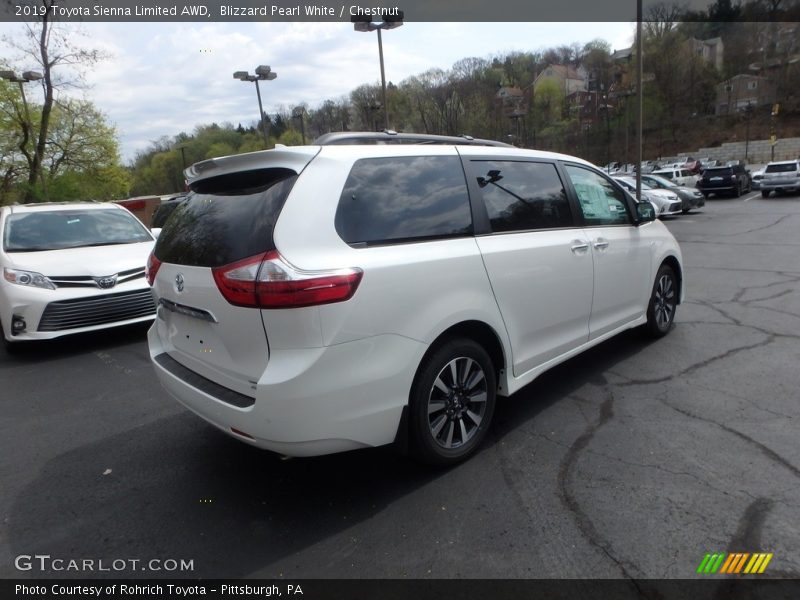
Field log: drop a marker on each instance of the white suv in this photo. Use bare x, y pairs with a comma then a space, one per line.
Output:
350, 294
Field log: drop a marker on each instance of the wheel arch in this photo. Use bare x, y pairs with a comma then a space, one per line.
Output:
673, 262
478, 331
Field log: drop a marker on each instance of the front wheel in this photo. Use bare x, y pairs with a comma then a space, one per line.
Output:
765, 193
452, 402
663, 302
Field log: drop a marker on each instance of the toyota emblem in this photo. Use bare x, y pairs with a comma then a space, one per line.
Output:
179, 282
106, 282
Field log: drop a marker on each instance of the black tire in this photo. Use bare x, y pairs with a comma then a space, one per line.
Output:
685, 211
765, 193
663, 302
737, 192
450, 415
10, 347
705, 195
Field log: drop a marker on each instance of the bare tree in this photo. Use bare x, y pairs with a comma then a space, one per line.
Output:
50, 47
662, 18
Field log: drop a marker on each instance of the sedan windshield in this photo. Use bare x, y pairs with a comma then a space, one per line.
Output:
660, 181
630, 183
60, 229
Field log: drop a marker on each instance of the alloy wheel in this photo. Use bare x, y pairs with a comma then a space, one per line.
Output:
457, 403
664, 301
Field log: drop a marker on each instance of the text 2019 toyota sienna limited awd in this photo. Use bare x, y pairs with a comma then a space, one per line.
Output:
343, 295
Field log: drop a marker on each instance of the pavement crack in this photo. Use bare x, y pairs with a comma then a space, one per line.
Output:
765, 450
754, 229
746, 539
700, 365
582, 520
670, 471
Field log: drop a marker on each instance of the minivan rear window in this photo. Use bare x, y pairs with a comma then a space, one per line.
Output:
404, 198
226, 219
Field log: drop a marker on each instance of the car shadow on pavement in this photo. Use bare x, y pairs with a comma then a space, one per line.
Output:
177, 489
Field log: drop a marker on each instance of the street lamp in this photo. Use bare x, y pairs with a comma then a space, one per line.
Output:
297, 113
263, 73
364, 24
26, 77
748, 114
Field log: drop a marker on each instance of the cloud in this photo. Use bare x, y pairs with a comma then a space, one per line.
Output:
164, 78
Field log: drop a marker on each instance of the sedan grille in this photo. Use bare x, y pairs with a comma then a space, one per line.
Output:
93, 282
97, 310
675, 206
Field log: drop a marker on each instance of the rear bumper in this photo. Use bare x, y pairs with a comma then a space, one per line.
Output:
784, 185
310, 401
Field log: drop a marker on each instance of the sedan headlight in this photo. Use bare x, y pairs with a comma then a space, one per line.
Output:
30, 278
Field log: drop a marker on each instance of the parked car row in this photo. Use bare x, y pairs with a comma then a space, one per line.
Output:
666, 197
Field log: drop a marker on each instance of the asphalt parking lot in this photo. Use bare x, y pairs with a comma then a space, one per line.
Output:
632, 460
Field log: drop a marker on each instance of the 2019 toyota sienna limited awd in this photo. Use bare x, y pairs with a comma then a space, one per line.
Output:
349, 294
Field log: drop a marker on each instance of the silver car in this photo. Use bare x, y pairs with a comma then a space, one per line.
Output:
690, 197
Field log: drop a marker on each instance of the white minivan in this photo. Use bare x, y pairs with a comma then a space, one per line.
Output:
679, 176
379, 288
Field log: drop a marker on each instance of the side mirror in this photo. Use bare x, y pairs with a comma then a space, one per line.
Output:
645, 213
155, 231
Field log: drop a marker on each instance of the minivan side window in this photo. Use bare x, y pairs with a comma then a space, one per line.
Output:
520, 196
404, 198
601, 203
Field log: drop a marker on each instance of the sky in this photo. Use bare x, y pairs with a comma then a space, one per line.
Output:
163, 78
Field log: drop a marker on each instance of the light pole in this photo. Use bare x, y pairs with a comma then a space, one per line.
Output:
263, 73
748, 114
26, 77
364, 24
27, 127
297, 113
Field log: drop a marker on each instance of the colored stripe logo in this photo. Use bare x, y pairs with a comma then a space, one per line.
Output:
734, 563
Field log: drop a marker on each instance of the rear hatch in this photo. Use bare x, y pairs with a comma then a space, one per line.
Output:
717, 177
777, 173
226, 221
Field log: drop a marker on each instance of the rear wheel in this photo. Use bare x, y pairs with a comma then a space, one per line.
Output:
452, 402
663, 302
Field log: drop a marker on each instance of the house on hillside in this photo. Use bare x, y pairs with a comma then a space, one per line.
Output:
737, 92
512, 100
711, 50
567, 78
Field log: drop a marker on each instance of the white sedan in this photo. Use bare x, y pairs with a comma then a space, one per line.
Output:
70, 268
664, 201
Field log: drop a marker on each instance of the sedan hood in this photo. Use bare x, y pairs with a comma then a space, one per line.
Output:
663, 194
94, 261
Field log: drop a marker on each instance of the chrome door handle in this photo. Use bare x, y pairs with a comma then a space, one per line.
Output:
600, 243
578, 246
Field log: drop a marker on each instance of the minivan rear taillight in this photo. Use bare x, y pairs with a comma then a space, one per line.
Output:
268, 281
151, 270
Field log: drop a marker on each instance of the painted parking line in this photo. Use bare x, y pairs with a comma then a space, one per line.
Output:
751, 196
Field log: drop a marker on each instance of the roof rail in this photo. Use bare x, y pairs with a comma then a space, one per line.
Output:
392, 137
